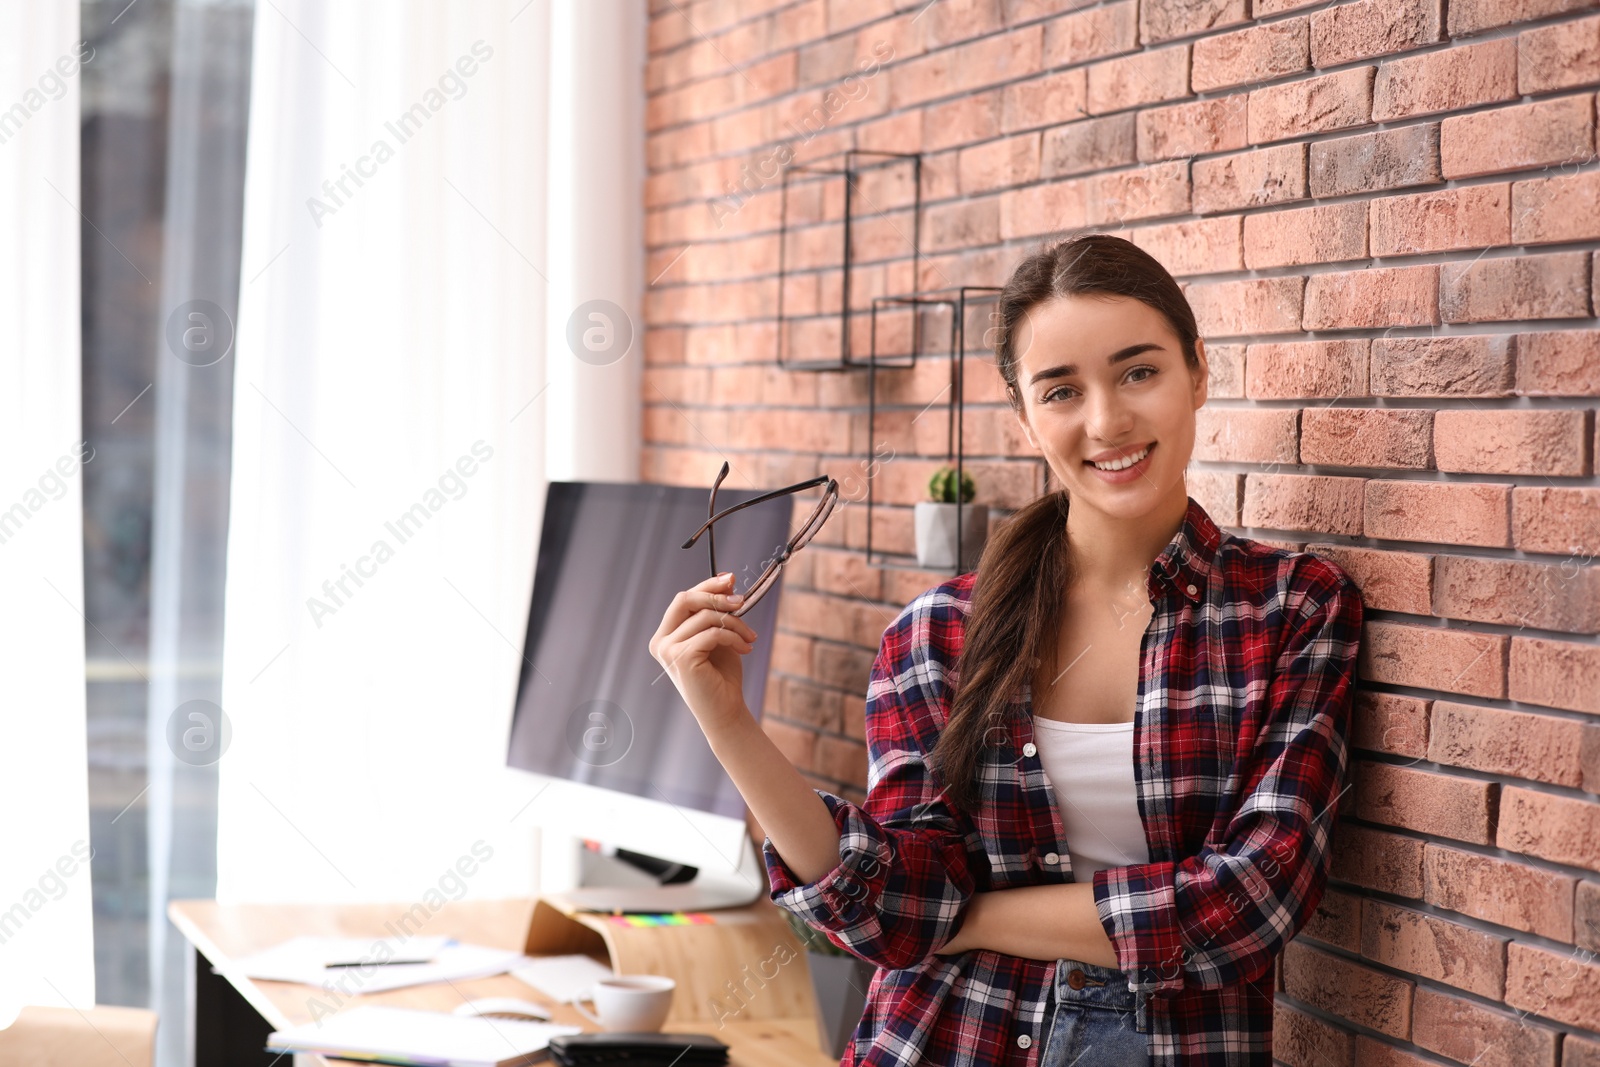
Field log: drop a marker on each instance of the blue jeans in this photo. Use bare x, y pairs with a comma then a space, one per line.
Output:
1095, 1019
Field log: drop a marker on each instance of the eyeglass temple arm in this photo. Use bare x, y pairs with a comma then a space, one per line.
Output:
798, 487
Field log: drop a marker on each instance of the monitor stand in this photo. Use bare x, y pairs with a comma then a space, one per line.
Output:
633, 882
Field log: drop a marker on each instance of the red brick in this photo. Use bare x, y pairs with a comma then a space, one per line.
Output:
987, 61
1253, 55
962, 121
1367, 437
1366, 29
1521, 593
1559, 56
1433, 947
1550, 286
1250, 179
1467, 1032
1555, 985
1089, 144
1201, 246
1374, 297
1512, 442
1462, 513
1163, 20
1303, 502
1559, 520
1092, 34
1474, 216
1336, 920
1147, 192
1331, 369
1559, 363
1455, 661
961, 224
1557, 828
1586, 907
1467, 365
1251, 306
1541, 134
1506, 892
1580, 1051
1468, 17
1059, 97
1142, 78
1389, 580
1347, 989
1049, 207
1218, 492
1561, 208
1375, 859
1224, 363
1198, 128
1557, 674
1445, 805
1541, 748
1244, 435
1325, 233
1374, 162
997, 164
1312, 105
1301, 1040
1447, 80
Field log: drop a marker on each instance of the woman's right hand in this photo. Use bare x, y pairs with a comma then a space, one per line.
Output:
699, 644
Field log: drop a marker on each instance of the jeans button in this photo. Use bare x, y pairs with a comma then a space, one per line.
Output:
1075, 978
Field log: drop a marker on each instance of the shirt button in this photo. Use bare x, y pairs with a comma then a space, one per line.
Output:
1029, 749
1193, 590
1051, 858
1024, 1041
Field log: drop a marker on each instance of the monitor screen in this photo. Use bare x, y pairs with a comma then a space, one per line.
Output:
593, 705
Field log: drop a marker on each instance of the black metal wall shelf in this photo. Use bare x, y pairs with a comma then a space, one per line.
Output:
850, 170
956, 410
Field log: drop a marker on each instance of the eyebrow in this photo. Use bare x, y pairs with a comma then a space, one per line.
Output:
1067, 370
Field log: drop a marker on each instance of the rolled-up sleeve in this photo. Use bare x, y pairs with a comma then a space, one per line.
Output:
903, 880
1221, 916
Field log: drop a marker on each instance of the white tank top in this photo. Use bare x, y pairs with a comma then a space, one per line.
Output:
1091, 767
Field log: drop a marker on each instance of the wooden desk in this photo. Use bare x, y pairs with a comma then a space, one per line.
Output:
772, 1025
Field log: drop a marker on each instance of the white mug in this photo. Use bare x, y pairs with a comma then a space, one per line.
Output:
629, 1002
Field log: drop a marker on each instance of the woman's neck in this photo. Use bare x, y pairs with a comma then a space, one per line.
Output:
1109, 552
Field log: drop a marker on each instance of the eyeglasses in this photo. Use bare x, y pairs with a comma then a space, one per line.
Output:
769, 574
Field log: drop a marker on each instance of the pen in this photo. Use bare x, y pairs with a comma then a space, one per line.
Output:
376, 963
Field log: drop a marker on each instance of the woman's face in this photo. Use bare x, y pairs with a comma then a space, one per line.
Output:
1103, 378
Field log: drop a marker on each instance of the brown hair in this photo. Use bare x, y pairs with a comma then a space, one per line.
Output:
1026, 567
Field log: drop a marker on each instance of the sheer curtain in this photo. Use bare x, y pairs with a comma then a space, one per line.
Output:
46, 949
391, 443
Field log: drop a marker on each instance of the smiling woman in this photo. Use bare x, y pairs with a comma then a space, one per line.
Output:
1190, 689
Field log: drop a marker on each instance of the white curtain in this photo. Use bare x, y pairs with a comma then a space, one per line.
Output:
392, 442
46, 929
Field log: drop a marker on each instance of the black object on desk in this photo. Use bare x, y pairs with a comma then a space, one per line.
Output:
637, 1048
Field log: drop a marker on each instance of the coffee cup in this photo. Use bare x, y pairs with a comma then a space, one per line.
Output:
629, 1002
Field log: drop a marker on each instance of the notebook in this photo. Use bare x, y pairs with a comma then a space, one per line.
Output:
414, 1038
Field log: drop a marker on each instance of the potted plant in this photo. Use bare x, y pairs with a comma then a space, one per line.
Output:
840, 982
936, 522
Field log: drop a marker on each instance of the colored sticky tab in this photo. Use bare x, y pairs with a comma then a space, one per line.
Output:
671, 918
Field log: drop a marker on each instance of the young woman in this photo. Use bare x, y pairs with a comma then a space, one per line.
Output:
1104, 768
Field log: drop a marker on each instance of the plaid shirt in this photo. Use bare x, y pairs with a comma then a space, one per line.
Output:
1240, 748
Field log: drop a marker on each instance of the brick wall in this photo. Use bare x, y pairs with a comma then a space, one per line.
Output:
1385, 214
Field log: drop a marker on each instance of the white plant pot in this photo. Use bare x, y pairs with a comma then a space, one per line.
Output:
936, 534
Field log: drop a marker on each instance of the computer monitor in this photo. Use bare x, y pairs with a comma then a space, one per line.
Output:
621, 757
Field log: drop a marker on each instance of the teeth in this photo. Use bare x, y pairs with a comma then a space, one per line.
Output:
1120, 464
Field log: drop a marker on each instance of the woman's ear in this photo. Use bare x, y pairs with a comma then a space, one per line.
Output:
1202, 373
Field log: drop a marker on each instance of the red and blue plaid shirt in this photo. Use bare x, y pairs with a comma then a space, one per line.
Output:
1240, 738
